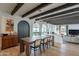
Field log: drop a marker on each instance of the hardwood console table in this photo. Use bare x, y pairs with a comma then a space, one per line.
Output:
9, 41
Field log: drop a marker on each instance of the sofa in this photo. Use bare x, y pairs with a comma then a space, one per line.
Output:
74, 39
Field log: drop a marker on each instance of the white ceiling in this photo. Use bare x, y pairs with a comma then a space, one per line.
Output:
26, 7
65, 9
7, 7
67, 19
52, 6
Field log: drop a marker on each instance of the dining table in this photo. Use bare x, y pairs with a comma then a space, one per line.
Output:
26, 41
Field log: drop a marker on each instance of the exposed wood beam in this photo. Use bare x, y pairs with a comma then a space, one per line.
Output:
36, 8
64, 12
70, 15
66, 17
17, 7
65, 20
53, 10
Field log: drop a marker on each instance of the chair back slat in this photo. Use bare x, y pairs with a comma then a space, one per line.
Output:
37, 42
45, 40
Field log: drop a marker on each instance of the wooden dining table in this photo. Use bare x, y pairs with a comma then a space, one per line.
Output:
27, 41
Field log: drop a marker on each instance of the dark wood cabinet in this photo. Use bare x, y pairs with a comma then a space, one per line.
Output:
9, 41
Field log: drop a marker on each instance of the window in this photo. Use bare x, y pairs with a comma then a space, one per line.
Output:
36, 29
49, 28
63, 29
44, 30
57, 29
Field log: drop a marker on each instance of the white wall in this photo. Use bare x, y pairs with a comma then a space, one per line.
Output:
16, 19
73, 26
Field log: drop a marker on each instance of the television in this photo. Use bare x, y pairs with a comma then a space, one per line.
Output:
74, 32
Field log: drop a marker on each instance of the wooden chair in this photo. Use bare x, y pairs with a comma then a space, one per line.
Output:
51, 40
45, 43
36, 44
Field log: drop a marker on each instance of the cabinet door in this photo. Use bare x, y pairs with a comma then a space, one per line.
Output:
9, 41
5, 43
14, 40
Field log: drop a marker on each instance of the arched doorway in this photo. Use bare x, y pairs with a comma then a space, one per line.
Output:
23, 29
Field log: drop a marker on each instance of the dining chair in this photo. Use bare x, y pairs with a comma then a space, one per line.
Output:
51, 41
36, 44
45, 43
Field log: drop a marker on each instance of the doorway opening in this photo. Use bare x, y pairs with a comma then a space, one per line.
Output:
23, 29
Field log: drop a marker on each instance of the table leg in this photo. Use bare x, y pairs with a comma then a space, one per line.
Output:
21, 46
43, 47
27, 49
53, 41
